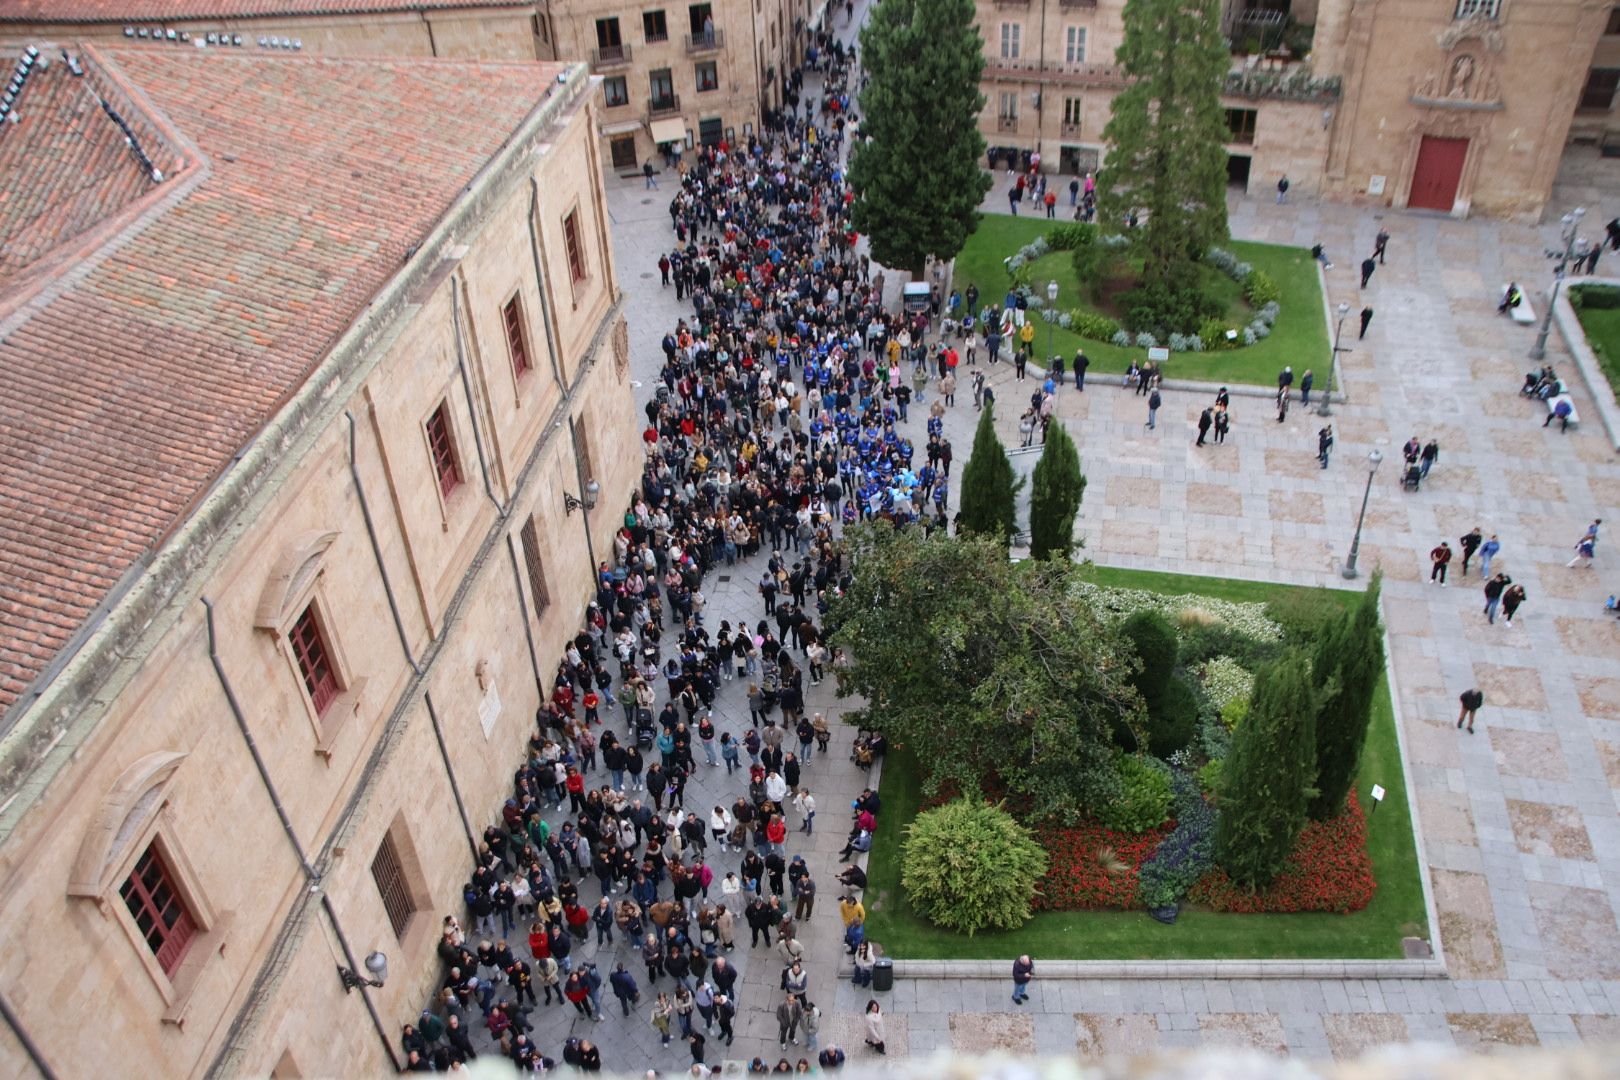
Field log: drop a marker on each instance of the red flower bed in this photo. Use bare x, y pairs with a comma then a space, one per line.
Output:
1330, 870
1076, 881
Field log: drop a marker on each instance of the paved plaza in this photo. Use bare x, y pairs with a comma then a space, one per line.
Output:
1518, 823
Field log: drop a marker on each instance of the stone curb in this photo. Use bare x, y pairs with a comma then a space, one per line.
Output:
1176, 969
1602, 394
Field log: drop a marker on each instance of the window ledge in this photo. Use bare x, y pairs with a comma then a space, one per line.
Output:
336, 718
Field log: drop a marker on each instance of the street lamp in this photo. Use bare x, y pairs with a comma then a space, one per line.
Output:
1571, 223
572, 502
1051, 303
1333, 360
1374, 459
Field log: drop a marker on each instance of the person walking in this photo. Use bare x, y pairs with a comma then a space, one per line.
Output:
1487, 552
1023, 970
652, 179
1429, 455
1380, 243
1324, 444
1366, 318
1512, 597
1585, 549
1469, 542
1494, 587
1368, 265
1439, 559
1282, 190
1154, 401
1471, 701
875, 1037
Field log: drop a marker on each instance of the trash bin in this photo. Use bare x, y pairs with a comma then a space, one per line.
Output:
883, 974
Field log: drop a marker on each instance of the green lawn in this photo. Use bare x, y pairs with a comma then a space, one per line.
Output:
1300, 337
1602, 326
1396, 911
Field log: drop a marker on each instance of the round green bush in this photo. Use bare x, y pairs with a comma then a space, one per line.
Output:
1144, 802
1259, 289
1173, 719
969, 866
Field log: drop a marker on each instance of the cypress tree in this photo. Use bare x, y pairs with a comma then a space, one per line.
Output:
915, 169
1167, 154
1348, 663
1056, 489
1268, 779
988, 485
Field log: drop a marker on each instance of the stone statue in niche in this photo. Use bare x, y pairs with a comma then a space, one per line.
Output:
1462, 78
1430, 86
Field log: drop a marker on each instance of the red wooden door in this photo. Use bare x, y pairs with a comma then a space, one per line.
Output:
1437, 173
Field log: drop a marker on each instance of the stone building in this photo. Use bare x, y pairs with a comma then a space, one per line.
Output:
313, 403
1461, 108
677, 75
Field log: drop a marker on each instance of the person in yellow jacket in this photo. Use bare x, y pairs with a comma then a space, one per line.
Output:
851, 910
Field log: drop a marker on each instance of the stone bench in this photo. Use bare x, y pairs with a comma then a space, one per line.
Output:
1524, 314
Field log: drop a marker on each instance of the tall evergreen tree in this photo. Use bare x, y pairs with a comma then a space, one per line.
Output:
1268, 780
1348, 663
916, 170
989, 487
1166, 136
1056, 489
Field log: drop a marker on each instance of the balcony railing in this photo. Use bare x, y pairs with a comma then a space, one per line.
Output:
702, 43
1006, 123
664, 105
610, 56
1072, 130
1070, 5
1054, 72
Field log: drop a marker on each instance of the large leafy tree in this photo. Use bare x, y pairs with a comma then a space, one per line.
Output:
1270, 774
989, 503
916, 169
1166, 136
1056, 489
1349, 659
996, 674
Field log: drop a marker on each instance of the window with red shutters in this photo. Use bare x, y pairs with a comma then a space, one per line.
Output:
575, 246
512, 317
158, 909
443, 449
314, 660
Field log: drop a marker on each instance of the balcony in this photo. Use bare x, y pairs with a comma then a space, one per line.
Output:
1054, 73
697, 44
664, 105
1007, 123
1073, 5
610, 56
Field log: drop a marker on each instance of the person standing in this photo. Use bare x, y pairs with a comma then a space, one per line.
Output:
1366, 318
1494, 587
1223, 423
874, 1026
1154, 401
1282, 404
624, 988
788, 1015
1285, 379
1469, 542
1205, 420
1324, 444
1487, 552
652, 179
1282, 190
1306, 381
1380, 243
1439, 558
1367, 268
1023, 970
1512, 597
1081, 362
1471, 701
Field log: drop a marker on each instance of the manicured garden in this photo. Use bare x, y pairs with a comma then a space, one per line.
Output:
1298, 337
1349, 885
1598, 307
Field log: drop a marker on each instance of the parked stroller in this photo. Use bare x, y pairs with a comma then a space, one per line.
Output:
646, 729
1412, 478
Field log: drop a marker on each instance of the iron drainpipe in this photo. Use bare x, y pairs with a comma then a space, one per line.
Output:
523, 607
31, 1048
472, 402
376, 548
455, 788
287, 827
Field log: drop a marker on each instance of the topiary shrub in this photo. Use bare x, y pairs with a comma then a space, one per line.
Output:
1144, 801
1259, 289
1153, 640
968, 866
1172, 723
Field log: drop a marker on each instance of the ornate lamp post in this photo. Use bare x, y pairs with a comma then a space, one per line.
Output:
1333, 360
1374, 459
1571, 223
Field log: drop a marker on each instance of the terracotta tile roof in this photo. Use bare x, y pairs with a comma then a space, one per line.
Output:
129, 383
146, 11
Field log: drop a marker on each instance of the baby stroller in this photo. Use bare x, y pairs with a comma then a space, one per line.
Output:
1412, 477
646, 729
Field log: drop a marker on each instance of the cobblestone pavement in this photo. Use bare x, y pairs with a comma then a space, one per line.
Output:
1518, 823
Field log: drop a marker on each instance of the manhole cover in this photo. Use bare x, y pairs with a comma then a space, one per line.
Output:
724, 578
648, 274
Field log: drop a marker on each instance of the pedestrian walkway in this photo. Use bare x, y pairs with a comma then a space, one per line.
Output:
1521, 837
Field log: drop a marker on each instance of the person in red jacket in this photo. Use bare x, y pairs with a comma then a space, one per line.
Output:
1439, 558
776, 832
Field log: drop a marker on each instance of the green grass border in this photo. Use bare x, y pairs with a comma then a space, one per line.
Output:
1602, 329
1300, 337
1397, 909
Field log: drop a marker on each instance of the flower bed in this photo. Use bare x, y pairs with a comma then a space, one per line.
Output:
1330, 870
1077, 881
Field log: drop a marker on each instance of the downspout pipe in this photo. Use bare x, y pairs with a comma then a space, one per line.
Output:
376, 549
31, 1048
523, 609
472, 402
310, 874
540, 286
450, 773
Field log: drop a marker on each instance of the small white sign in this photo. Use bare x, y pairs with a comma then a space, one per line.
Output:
489, 709
1378, 793
1375, 185
1159, 354
1231, 335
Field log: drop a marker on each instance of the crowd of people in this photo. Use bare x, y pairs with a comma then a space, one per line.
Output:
774, 422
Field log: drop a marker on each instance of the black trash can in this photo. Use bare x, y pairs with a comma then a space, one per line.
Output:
883, 974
